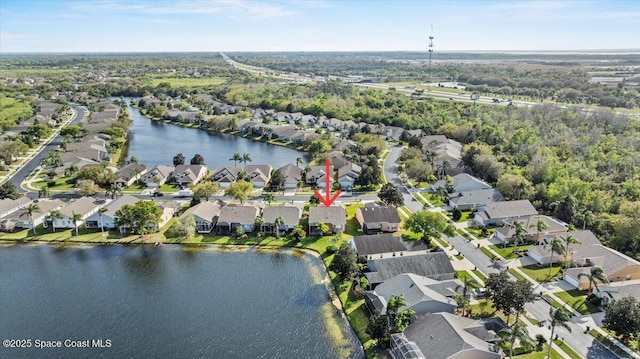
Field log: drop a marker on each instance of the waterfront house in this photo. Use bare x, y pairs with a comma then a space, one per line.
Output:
108, 219
127, 175
83, 206
225, 176
434, 265
421, 294
494, 214
259, 175
386, 245
157, 176
232, 217
289, 214
185, 175
9, 205
470, 200
335, 217
292, 175
20, 219
205, 215
374, 218
169, 210
447, 336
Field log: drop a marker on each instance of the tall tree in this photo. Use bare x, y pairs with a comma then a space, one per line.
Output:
595, 274
76, 217
197, 159
299, 161
44, 192
568, 241
429, 224
9, 190
519, 236
623, 317
235, 158
246, 158
390, 195
344, 262
467, 283
138, 218
268, 197
101, 212
239, 190
53, 216
518, 331
558, 316
556, 246
29, 210
278, 222
395, 303
540, 226
205, 190
178, 159
276, 182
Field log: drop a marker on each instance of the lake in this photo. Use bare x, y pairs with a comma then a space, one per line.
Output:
155, 142
169, 302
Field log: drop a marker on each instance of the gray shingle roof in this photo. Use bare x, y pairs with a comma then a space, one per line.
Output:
291, 215
375, 214
432, 265
378, 243
481, 196
205, 210
81, 206
238, 214
291, 173
417, 289
329, 215
509, 209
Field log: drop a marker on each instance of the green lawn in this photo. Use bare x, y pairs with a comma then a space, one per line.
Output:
352, 224
567, 349
541, 273
517, 275
507, 252
485, 250
540, 355
577, 300
434, 199
480, 275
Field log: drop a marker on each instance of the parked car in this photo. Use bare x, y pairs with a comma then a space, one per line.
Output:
157, 194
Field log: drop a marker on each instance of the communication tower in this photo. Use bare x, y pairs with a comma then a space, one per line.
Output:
430, 51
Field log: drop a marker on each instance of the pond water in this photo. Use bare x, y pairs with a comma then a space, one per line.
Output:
169, 302
155, 142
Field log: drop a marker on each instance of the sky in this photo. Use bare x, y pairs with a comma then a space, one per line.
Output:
316, 25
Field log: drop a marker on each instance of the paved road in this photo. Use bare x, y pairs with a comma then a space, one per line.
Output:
27, 168
392, 176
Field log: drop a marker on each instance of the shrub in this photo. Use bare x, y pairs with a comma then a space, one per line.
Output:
456, 215
332, 249
52, 183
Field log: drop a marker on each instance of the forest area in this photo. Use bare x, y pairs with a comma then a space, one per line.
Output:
583, 166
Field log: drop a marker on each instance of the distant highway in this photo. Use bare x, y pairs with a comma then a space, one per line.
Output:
30, 166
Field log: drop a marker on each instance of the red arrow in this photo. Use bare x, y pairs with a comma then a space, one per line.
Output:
328, 199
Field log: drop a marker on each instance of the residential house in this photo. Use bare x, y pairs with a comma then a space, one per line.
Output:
95, 150
107, 220
83, 206
205, 215
9, 205
616, 266
434, 265
448, 336
392, 133
347, 176
541, 252
421, 294
290, 216
20, 219
462, 182
185, 175
232, 217
386, 245
470, 200
259, 175
530, 225
225, 176
157, 176
181, 116
316, 176
169, 210
494, 214
375, 219
609, 293
129, 174
335, 217
292, 175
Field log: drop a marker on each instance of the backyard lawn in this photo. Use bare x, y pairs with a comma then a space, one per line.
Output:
541, 273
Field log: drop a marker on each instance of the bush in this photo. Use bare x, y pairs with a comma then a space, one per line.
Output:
456, 215
332, 249
52, 183
540, 341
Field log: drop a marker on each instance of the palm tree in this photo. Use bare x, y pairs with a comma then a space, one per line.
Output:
278, 222
467, 283
71, 170
29, 211
587, 216
114, 191
540, 225
100, 212
556, 246
76, 217
395, 303
235, 158
246, 158
258, 223
519, 236
516, 332
595, 274
44, 192
559, 316
568, 241
268, 197
299, 161
53, 215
